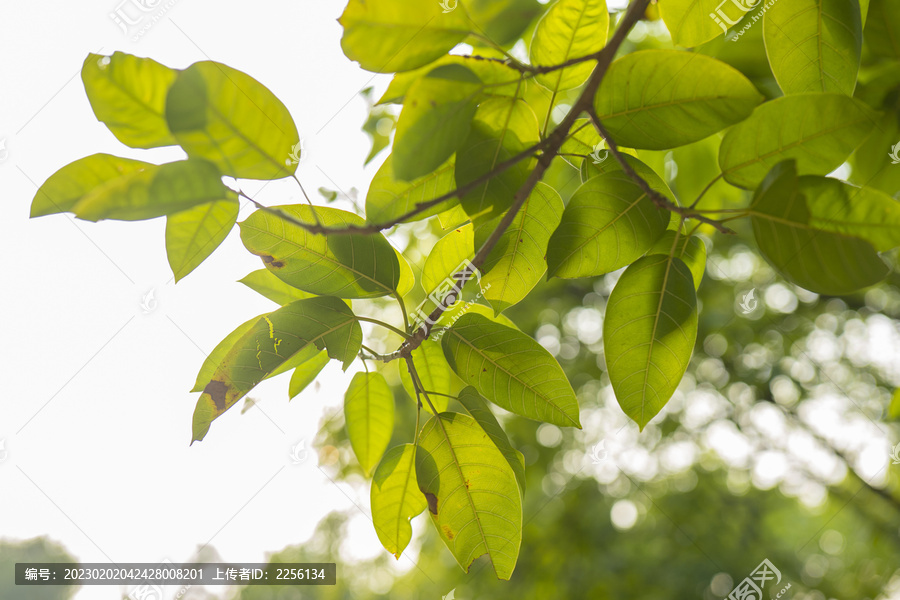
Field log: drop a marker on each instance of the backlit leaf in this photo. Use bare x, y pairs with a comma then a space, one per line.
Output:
347, 266
569, 29
516, 263
65, 188
609, 222
649, 334
395, 498
269, 285
446, 256
193, 234
820, 261
369, 415
154, 192
510, 369
128, 94
694, 22
387, 36
271, 340
435, 120
814, 45
819, 131
306, 372
434, 373
660, 99
225, 116
472, 493
390, 198
501, 129
690, 250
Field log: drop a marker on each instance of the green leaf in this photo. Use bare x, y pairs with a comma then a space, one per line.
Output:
395, 498
154, 192
446, 256
386, 36
306, 372
193, 234
820, 261
502, 128
499, 79
590, 169
390, 198
660, 99
478, 409
882, 33
128, 94
819, 131
472, 493
212, 361
569, 29
65, 188
649, 334
267, 284
511, 370
346, 266
865, 213
609, 222
814, 45
369, 413
225, 116
273, 339
434, 373
894, 407
435, 120
516, 264
502, 22
452, 217
690, 250
694, 22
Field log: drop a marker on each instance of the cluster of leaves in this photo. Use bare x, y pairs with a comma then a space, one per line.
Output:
475, 137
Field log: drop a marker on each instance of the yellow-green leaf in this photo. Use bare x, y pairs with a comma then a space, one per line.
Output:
65, 188
446, 256
265, 283
128, 95
517, 262
395, 498
694, 22
273, 339
386, 36
472, 493
814, 45
193, 234
390, 198
434, 373
306, 372
511, 370
660, 99
819, 131
569, 29
225, 116
369, 414
347, 266
649, 334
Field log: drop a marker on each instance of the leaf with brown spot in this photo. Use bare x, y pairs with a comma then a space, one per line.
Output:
263, 346
462, 472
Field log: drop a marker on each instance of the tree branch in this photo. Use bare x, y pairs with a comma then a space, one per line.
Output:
658, 199
550, 147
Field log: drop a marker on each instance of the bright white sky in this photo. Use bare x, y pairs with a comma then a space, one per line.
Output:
96, 411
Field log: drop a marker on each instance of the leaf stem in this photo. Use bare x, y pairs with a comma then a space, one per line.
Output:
399, 332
